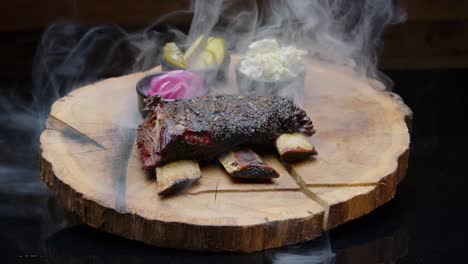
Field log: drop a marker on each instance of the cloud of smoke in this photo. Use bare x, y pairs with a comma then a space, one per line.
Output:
339, 32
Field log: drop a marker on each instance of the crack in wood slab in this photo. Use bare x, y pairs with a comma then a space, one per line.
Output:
340, 209
216, 191
299, 188
59, 125
307, 192
364, 184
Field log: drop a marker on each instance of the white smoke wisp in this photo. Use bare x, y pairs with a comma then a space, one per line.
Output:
234, 20
317, 251
340, 32
206, 15
337, 31
67, 57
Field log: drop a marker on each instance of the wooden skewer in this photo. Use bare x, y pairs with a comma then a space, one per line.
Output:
176, 175
293, 147
245, 163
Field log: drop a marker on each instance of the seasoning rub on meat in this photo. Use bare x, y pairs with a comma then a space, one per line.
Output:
177, 134
205, 127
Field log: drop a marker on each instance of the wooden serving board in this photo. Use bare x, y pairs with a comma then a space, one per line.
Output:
89, 160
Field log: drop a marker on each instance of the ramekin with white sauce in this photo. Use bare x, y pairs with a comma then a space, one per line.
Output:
268, 68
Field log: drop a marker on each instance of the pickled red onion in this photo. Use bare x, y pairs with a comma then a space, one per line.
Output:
177, 85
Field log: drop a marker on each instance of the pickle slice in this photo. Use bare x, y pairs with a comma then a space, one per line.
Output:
195, 49
173, 55
218, 47
205, 59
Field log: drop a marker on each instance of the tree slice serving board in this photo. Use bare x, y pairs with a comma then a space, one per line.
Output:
90, 161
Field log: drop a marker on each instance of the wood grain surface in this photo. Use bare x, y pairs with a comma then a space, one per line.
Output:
90, 161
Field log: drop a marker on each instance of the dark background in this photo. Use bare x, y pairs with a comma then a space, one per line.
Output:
427, 58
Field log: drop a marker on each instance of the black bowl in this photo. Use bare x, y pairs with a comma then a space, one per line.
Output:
142, 87
250, 86
210, 75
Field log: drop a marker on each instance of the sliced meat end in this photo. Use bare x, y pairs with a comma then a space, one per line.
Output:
245, 163
294, 147
176, 176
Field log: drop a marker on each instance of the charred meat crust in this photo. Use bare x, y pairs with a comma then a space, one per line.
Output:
245, 163
205, 127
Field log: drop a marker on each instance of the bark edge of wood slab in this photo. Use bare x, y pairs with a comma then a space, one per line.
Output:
90, 162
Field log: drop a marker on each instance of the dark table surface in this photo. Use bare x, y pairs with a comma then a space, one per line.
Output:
424, 223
